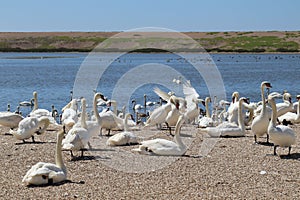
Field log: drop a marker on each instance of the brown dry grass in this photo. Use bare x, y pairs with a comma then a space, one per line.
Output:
232, 170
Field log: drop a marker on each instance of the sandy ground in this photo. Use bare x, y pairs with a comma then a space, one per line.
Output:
233, 169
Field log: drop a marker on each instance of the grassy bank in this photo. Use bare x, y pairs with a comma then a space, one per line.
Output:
272, 41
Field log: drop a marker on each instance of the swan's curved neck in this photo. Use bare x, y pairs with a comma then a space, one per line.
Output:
206, 107
126, 123
298, 110
274, 112
114, 104
177, 137
262, 90
46, 123
240, 116
58, 155
35, 106
96, 112
83, 115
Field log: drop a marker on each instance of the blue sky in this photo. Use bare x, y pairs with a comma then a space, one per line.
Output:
184, 15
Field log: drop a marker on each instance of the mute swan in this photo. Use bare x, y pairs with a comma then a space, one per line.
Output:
9, 119
290, 116
69, 116
158, 116
285, 106
282, 136
230, 129
164, 147
206, 121
123, 138
47, 173
38, 112
29, 126
172, 117
233, 107
192, 99
27, 103
78, 136
259, 126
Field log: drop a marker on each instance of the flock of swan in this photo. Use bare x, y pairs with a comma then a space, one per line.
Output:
226, 119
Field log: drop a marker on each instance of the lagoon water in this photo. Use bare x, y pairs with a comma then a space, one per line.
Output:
52, 75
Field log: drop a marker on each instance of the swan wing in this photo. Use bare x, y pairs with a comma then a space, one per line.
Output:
11, 120
162, 94
189, 92
282, 135
161, 146
41, 173
122, 138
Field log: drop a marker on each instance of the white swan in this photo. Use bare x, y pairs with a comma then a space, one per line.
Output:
206, 121
165, 147
69, 116
285, 106
47, 173
78, 136
10, 119
124, 137
159, 115
29, 126
192, 99
259, 126
291, 117
38, 112
230, 129
233, 107
282, 136
27, 103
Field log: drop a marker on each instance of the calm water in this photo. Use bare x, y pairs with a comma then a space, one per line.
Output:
52, 75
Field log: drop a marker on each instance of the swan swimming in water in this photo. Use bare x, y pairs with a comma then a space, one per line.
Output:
164, 147
124, 137
230, 129
282, 136
259, 126
47, 173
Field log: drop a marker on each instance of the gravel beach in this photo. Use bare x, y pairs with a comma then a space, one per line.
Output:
235, 168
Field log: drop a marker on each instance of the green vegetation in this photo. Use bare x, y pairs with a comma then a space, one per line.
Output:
212, 42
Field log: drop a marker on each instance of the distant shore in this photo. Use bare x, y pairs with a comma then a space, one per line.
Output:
212, 42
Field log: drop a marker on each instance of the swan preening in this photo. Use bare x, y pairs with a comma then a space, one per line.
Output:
164, 147
47, 173
30, 126
282, 136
